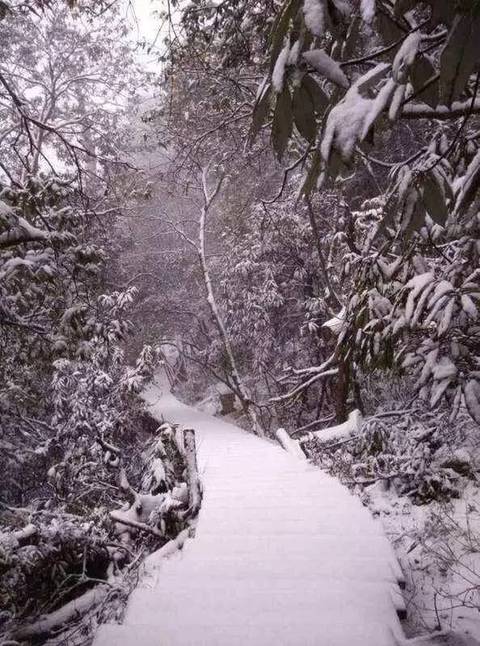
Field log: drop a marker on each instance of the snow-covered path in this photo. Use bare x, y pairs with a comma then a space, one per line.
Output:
282, 555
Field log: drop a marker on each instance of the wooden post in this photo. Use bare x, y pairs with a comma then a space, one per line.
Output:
194, 487
227, 401
289, 444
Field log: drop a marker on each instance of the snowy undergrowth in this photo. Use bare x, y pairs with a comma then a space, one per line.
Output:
439, 547
419, 474
70, 564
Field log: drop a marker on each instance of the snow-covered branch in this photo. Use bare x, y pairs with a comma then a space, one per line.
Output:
72, 610
21, 233
441, 112
304, 385
349, 427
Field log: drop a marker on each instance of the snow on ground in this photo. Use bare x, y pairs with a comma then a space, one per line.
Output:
282, 554
439, 548
211, 402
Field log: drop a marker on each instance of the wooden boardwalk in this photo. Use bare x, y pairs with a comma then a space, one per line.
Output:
282, 555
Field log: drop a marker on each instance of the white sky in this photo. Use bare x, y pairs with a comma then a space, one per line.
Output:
148, 24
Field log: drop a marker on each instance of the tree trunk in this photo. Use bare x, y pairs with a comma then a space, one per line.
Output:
240, 387
342, 388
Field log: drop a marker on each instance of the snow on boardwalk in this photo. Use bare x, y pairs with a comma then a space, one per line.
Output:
282, 555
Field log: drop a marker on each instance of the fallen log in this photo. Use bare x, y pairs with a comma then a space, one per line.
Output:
289, 444
120, 517
72, 610
20, 537
24, 534
341, 431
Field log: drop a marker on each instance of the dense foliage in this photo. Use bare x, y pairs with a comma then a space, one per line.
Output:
70, 415
292, 203
376, 102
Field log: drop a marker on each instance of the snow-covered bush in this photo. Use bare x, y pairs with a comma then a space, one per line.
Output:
85, 533
61, 364
417, 455
444, 551
69, 405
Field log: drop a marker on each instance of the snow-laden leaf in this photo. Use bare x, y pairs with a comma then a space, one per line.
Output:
389, 269
278, 74
294, 53
315, 13
396, 103
134, 382
326, 66
438, 390
379, 305
444, 369
369, 80
413, 215
468, 185
469, 306
430, 361
404, 181
377, 106
345, 125
405, 56
411, 359
420, 306
367, 10
279, 30
437, 299
398, 325
416, 285
446, 317
5, 211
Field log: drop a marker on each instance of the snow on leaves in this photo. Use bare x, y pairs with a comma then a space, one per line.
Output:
418, 70
405, 57
326, 66
447, 316
315, 12
416, 307
345, 123
367, 8
278, 73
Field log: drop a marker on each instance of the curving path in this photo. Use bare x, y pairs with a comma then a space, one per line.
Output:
283, 555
